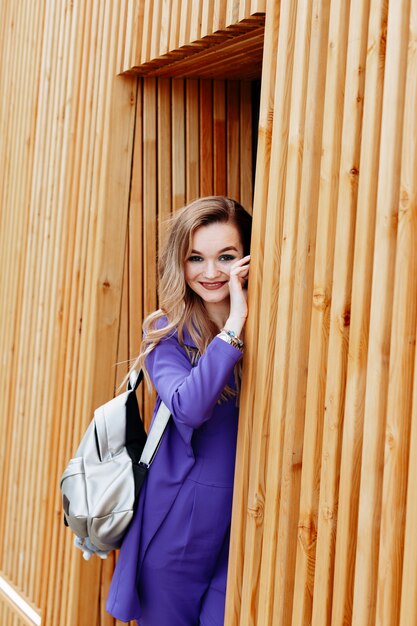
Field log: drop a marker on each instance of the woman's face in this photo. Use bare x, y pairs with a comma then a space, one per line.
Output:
207, 269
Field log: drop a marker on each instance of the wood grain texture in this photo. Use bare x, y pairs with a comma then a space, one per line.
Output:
370, 503
93, 163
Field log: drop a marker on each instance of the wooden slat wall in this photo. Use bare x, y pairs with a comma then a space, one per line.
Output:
156, 27
186, 145
324, 515
324, 518
192, 138
67, 127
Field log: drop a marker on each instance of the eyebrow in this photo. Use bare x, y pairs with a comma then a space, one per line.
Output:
220, 251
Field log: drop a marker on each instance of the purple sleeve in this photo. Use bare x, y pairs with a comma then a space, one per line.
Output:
190, 392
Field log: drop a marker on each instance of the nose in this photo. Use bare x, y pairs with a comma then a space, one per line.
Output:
211, 270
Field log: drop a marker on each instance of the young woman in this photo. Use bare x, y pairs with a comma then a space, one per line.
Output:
172, 566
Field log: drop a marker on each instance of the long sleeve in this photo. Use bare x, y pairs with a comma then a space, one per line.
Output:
190, 392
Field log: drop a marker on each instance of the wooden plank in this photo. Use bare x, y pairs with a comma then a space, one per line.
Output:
232, 12
257, 6
178, 144
192, 147
366, 570
135, 236
164, 156
207, 17
195, 24
300, 328
156, 27
20, 120
233, 139
175, 24
122, 364
370, 53
58, 590
106, 261
165, 27
219, 15
408, 611
242, 50
134, 51
88, 395
49, 346
206, 137
185, 23
245, 155
146, 28
149, 204
241, 510
292, 44
219, 138
403, 336
314, 569
32, 318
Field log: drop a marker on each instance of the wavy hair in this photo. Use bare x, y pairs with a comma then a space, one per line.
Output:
182, 307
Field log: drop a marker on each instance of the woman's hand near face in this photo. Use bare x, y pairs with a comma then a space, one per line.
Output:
239, 272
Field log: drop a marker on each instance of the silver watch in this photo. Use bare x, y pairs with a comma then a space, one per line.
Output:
230, 337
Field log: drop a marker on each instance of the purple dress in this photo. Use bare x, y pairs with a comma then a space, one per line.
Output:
172, 566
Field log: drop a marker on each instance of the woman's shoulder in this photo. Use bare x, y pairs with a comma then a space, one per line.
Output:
163, 321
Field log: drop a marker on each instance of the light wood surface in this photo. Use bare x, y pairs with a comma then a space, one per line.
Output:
112, 117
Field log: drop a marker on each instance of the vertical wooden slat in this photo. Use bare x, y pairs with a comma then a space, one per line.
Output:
147, 31
175, 24
195, 24
79, 192
232, 12
185, 23
192, 148
149, 204
254, 568
164, 155
366, 570
233, 139
407, 246
178, 143
403, 335
206, 137
314, 570
165, 27
373, 51
219, 15
156, 26
56, 258
219, 138
149, 191
14, 236
135, 236
289, 90
245, 141
300, 330
207, 17
408, 609
33, 311
240, 505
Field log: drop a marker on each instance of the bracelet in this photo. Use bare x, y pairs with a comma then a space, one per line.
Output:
231, 337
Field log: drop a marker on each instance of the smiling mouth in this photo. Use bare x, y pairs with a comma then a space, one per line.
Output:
211, 286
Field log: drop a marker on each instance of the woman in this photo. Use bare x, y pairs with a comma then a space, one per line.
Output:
173, 562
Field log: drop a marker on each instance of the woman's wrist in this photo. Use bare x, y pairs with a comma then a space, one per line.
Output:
234, 325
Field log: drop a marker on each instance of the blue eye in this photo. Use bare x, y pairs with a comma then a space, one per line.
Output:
227, 257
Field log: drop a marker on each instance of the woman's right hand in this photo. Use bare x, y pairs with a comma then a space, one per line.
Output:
239, 272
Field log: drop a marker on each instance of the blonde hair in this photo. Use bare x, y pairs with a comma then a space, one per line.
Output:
182, 307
